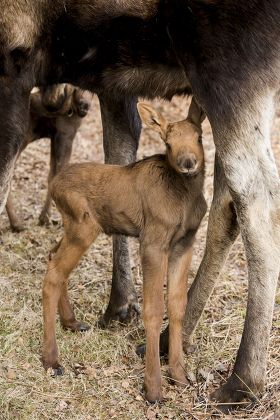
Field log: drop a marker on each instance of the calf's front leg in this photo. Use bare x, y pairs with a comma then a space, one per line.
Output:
121, 132
222, 231
154, 263
178, 266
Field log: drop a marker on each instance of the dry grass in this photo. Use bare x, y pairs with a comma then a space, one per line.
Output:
104, 377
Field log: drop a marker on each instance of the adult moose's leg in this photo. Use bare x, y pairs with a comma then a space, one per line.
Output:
121, 130
243, 145
61, 150
15, 86
222, 231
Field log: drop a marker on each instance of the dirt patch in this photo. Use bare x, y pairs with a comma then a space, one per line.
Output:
104, 376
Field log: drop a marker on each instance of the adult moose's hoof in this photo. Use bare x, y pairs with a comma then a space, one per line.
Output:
76, 326
123, 314
234, 392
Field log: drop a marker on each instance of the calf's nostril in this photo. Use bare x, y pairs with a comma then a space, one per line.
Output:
189, 163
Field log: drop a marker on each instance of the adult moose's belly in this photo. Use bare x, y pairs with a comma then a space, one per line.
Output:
86, 11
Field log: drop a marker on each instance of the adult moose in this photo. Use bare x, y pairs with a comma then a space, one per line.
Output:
228, 53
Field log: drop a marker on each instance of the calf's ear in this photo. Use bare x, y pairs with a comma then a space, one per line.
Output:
153, 119
196, 114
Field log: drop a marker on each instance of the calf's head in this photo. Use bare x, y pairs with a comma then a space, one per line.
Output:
183, 139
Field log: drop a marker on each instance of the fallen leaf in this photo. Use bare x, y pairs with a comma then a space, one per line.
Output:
11, 374
79, 368
126, 384
191, 377
220, 367
62, 406
205, 373
91, 373
151, 414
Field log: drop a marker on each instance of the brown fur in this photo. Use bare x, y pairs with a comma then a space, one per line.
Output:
159, 200
56, 113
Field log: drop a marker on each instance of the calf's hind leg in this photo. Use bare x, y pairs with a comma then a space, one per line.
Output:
66, 313
121, 132
77, 238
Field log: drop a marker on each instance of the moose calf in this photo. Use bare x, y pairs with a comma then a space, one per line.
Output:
158, 199
56, 113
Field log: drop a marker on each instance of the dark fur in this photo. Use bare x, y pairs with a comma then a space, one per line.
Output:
59, 121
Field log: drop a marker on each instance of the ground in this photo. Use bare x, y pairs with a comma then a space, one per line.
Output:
103, 375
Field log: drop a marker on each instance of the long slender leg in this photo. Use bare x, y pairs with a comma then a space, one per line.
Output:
154, 262
75, 242
178, 266
222, 231
253, 180
254, 184
121, 130
66, 313
61, 150
14, 115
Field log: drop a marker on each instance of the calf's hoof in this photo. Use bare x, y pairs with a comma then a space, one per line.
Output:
59, 371
123, 314
76, 326
230, 395
54, 368
17, 228
153, 394
178, 376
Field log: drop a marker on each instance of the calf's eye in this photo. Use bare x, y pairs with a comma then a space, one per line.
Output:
168, 146
200, 139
